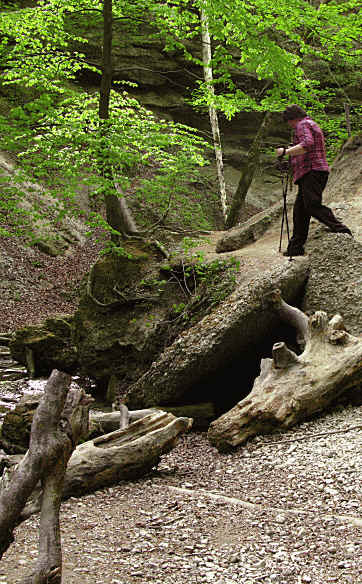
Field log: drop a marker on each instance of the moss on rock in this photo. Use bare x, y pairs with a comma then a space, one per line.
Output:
117, 327
48, 346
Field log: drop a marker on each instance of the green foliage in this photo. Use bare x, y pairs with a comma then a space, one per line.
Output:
65, 144
335, 131
265, 40
261, 51
205, 283
40, 56
62, 142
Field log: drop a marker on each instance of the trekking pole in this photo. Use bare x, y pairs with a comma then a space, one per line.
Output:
283, 167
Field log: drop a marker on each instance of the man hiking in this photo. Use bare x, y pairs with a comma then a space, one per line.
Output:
310, 173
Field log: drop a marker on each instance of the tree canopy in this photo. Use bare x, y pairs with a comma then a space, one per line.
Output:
58, 134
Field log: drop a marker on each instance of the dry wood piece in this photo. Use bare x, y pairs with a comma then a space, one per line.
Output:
60, 420
105, 422
292, 388
124, 454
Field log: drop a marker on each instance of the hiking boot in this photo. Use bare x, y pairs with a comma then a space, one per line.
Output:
290, 254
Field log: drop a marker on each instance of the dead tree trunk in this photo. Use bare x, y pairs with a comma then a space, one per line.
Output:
291, 388
124, 454
59, 421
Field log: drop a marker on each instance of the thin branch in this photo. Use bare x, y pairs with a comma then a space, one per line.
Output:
301, 438
161, 220
184, 276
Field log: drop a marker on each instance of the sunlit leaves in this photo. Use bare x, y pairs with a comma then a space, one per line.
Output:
65, 145
263, 38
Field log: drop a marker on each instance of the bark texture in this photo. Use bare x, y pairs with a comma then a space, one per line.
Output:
292, 388
214, 122
59, 422
247, 172
250, 231
124, 454
103, 423
119, 216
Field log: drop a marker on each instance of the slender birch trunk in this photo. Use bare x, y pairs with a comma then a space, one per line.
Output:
206, 59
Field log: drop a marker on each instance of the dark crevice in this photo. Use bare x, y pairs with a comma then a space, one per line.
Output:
235, 379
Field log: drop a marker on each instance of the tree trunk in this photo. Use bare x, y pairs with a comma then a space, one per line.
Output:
107, 72
59, 421
292, 388
118, 215
214, 122
247, 173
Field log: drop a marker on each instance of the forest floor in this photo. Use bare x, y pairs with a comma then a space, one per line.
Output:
285, 509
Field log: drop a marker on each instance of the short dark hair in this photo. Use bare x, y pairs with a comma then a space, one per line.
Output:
294, 112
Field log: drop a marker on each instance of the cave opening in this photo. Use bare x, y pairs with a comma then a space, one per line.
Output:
234, 381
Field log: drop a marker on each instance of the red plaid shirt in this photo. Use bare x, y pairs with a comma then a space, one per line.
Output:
310, 136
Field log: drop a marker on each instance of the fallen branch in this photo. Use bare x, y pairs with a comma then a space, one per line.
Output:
356, 521
301, 438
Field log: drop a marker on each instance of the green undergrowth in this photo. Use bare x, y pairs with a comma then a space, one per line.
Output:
158, 173
205, 283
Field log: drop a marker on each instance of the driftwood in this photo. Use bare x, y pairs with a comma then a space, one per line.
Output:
105, 422
59, 422
124, 454
291, 388
44, 477
15, 432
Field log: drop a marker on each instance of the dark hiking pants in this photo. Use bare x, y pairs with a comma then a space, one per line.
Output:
308, 204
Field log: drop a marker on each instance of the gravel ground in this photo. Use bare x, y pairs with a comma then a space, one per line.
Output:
285, 509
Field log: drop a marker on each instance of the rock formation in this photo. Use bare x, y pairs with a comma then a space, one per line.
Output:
234, 326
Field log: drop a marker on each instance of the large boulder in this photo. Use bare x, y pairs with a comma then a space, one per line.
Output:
231, 332
133, 303
46, 346
118, 327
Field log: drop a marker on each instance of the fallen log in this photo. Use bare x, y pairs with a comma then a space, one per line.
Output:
15, 432
105, 422
292, 388
123, 454
250, 231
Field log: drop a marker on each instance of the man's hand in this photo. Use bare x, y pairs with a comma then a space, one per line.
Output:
280, 152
